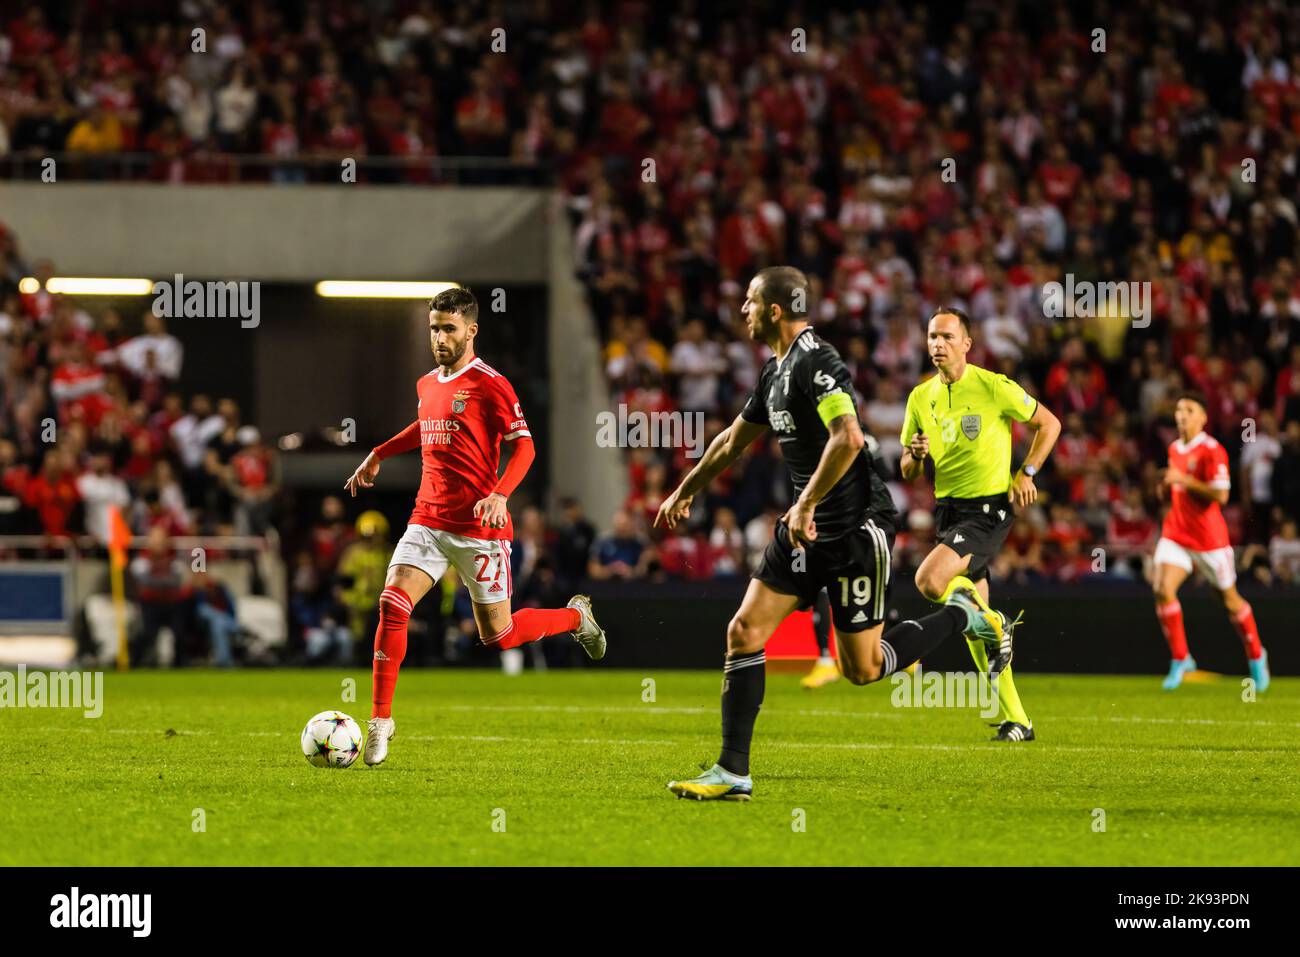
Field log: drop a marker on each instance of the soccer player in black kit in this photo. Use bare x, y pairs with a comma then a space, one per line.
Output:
837, 535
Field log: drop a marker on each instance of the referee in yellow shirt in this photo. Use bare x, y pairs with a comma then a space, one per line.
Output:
960, 419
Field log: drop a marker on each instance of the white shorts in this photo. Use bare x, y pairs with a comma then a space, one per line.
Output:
482, 563
1218, 567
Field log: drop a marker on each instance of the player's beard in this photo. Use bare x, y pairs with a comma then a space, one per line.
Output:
764, 329
455, 355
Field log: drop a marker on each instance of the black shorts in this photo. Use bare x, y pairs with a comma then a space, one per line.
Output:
854, 569
976, 527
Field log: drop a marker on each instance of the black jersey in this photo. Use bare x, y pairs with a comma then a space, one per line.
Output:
786, 400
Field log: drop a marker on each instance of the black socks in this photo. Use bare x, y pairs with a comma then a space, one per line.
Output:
743, 682
909, 641
821, 622
744, 678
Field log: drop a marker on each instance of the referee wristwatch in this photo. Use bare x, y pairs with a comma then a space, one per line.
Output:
1029, 470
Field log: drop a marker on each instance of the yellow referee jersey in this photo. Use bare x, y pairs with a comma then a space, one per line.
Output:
968, 424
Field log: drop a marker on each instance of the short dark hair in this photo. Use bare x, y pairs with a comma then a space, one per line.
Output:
1191, 395
778, 285
458, 300
953, 311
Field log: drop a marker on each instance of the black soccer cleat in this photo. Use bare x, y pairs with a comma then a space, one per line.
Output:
1014, 731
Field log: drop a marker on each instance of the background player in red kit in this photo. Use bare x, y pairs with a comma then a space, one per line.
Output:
1195, 534
466, 410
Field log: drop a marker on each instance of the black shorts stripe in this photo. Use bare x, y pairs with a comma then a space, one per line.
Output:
884, 562
833, 565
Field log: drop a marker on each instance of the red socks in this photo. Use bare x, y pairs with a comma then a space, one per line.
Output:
529, 624
390, 648
1244, 622
1171, 622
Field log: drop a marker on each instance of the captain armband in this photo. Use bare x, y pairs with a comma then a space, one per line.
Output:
832, 406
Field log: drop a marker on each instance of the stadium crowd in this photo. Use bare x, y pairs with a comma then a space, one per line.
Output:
902, 162
92, 418
903, 174
1105, 167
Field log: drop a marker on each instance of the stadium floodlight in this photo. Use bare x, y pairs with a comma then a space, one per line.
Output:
88, 285
379, 289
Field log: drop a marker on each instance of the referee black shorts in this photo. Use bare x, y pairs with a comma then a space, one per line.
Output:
976, 527
854, 569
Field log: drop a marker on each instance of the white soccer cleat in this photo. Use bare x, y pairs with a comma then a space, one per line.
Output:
715, 784
378, 731
589, 634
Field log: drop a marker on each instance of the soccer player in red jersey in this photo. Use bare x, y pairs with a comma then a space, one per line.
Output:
1195, 534
466, 409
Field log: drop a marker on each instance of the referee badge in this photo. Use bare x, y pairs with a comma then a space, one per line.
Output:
970, 426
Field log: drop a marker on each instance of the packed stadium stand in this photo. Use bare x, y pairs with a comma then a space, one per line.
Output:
904, 158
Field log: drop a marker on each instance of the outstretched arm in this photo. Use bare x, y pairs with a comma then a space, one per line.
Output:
403, 441
722, 451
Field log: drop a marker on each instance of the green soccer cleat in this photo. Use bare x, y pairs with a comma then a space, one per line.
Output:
1178, 668
715, 784
981, 620
1259, 671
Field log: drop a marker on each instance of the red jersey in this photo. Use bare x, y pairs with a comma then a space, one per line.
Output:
79, 388
1193, 522
251, 469
463, 419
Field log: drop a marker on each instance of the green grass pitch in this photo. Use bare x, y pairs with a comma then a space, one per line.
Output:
570, 768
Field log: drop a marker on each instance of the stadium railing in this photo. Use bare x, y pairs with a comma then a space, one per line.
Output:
217, 167
51, 586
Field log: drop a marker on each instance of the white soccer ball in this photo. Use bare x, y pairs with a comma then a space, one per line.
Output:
331, 740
